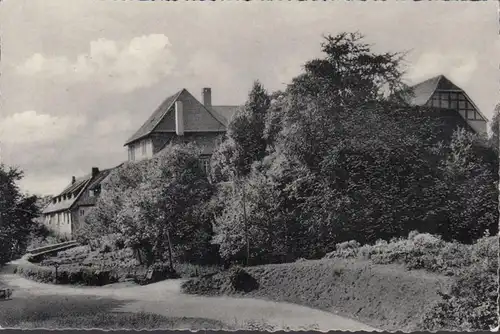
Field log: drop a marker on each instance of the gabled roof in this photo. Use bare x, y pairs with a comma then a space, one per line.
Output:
219, 113
424, 90
226, 111
75, 191
155, 118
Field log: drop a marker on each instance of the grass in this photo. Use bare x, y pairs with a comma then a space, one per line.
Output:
351, 288
415, 283
88, 312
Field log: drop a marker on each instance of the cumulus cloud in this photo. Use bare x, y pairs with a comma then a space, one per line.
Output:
122, 67
30, 127
459, 66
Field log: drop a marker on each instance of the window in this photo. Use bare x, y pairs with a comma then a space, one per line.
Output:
91, 193
82, 212
205, 164
131, 153
444, 100
143, 147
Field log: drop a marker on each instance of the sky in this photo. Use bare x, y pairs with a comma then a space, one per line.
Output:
79, 77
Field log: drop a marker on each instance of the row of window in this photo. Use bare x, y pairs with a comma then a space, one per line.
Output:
63, 197
60, 218
455, 101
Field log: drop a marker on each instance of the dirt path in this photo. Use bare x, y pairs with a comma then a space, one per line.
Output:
165, 298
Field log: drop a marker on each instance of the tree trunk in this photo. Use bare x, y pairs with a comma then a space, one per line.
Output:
170, 250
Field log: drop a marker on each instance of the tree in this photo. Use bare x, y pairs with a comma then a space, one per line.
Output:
495, 128
158, 207
245, 142
17, 214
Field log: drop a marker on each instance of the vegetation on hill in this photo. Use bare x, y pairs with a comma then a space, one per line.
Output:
338, 156
457, 290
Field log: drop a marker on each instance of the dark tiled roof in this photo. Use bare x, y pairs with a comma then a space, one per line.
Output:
222, 114
78, 190
227, 112
85, 199
424, 90
73, 191
155, 118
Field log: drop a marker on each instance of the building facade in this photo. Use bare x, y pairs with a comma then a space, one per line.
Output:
67, 211
181, 118
440, 93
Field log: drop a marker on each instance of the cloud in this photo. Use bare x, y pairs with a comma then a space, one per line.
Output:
44, 184
120, 67
113, 124
459, 66
30, 127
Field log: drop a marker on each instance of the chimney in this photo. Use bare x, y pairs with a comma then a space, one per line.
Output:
73, 180
95, 171
206, 94
179, 118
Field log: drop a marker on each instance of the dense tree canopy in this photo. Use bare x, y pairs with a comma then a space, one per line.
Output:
338, 155
348, 158
157, 207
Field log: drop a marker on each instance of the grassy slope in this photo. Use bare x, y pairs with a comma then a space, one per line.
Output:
384, 296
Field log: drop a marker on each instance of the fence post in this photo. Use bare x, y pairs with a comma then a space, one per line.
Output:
55, 278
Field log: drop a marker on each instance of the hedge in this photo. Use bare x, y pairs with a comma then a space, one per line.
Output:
66, 275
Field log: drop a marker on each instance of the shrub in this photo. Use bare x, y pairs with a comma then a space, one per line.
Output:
471, 303
241, 281
345, 249
66, 274
234, 280
418, 251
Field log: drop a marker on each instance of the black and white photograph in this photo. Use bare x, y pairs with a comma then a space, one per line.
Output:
249, 165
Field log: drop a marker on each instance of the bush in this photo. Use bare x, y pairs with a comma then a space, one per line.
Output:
345, 249
471, 303
241, 281
232, 281
67, 274
418, 251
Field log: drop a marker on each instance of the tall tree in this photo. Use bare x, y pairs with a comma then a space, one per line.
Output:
245, 142
17, 214
158, 207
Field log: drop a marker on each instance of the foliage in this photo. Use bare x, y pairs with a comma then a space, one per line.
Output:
17, 215
348, 159
66, 274
158, 207
245, 142
471, 304
495, 128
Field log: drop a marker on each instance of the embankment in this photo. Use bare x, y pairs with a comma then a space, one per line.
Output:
384, 296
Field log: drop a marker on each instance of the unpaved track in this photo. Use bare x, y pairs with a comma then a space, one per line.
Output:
165, 298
